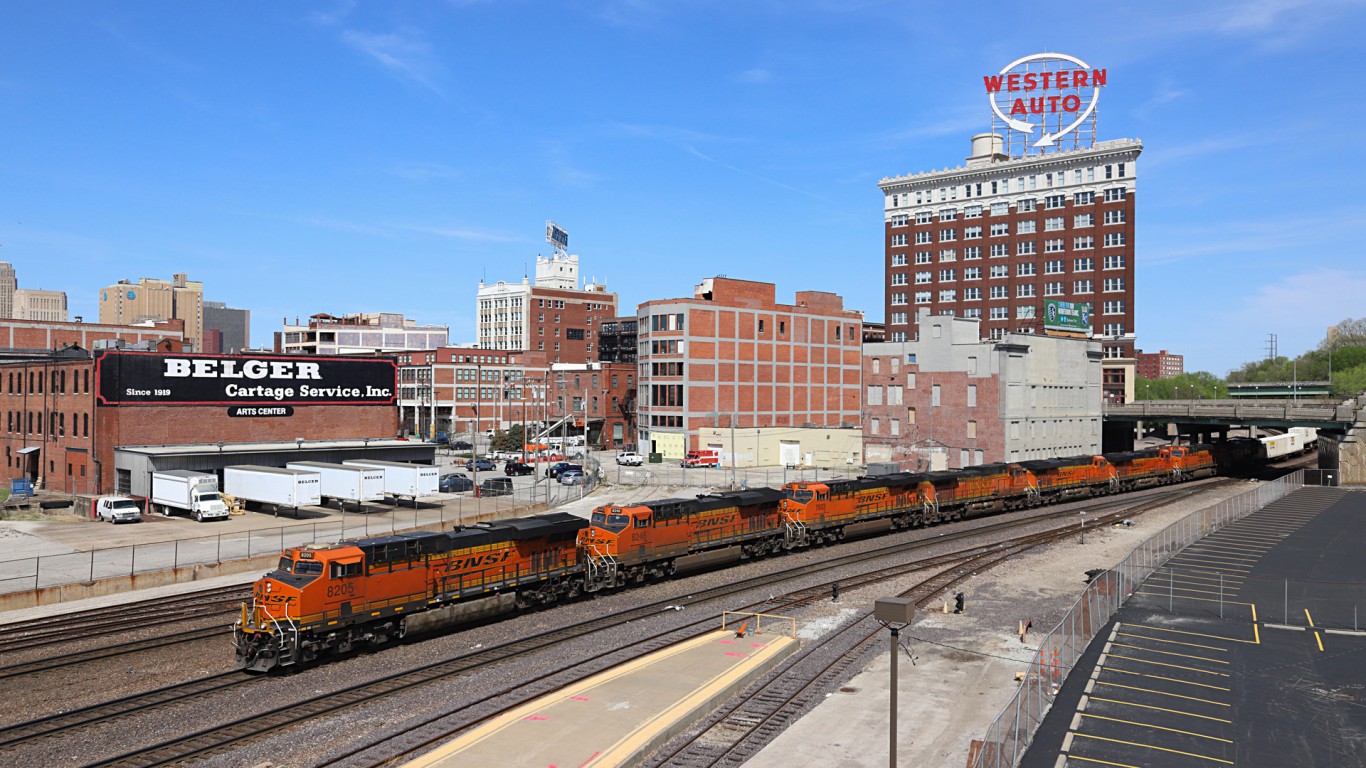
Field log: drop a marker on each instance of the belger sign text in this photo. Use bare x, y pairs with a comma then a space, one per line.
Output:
136, 378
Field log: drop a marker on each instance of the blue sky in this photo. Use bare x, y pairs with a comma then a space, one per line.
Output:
384, 156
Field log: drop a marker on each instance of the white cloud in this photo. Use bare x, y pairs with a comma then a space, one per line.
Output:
755, 76
404, 54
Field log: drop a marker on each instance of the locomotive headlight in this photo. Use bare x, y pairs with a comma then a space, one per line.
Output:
267, 586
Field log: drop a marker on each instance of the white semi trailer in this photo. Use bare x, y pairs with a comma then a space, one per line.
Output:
273, 487
345, 483
404, 481
183, 490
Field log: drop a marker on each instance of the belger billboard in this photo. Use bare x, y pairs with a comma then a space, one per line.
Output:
148, 378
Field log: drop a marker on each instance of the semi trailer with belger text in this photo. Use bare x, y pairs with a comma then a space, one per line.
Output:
402, 480
346, 483
273, 487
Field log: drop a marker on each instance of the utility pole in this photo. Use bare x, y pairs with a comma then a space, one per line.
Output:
732, 450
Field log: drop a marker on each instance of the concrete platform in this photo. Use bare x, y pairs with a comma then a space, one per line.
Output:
616, 716
1244, 649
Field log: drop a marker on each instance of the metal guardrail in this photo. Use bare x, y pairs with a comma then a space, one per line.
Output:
1343, 414
1010, 734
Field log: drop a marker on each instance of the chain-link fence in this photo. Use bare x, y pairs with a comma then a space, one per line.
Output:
1008, 736
59, 568
671, 473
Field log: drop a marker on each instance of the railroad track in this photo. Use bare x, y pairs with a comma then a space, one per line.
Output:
101, 622
221, 737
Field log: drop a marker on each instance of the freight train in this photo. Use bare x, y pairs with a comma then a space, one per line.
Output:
325, 599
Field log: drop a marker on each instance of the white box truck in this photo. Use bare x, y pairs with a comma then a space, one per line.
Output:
273, 487
346, 484
183, 490
404, 481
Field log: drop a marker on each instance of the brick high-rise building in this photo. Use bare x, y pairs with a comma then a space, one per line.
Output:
553, 315
1160, 365
993, 239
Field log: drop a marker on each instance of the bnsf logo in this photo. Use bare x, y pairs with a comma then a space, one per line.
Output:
480, 561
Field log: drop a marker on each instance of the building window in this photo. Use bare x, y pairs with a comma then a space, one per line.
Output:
1000, 230
948, 296
923, 257
1114, 239
1054, 201
947, 275
1052, 289
898, 318
1024, 269
934, 394
875, 426
972, 212
975, 314
1083, 265
972, 233
1083, 220
1024, 291
972, 273
1114, 195
947, 254
898, 298
999, 250
1052, 267
898, 240
948, 235
1025, 312
972, 428
924, 217
898, 259
922, 297
922, 238
1052, 223
1114, 284
1000, 270
1083, 286
1054, 245
972, 252
899, 278
1114, 307
1024, 227
1025, 248
1084, 198
1114, 329
1026, 205
896, 426
948, 214
1114, 262
1000, 313
972, 294
1114, 217
923, 278
1000, 209
900, 220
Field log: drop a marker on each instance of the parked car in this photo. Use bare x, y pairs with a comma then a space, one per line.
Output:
629, 459
518, 468
496, 486
454, 483
480, 465
462, 445
557, 468
573, 476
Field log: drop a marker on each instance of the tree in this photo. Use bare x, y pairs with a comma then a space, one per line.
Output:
508, 440
1200, 385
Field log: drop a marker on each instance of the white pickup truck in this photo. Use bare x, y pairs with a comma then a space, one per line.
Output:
629, 459
118, 509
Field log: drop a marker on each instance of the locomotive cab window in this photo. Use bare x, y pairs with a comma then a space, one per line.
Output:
617, 523
801, 496
341, 570
286, 565
641, 522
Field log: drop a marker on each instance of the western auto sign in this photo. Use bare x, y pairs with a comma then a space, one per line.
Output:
1043, 90
154, 378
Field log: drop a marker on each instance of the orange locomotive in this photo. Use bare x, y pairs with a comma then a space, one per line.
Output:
330, 599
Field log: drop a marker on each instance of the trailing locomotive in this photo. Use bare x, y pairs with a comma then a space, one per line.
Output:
330, 599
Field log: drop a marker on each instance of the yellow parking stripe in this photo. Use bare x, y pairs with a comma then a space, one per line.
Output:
1231, 580
1171, 666
1168, 679
1176, 593
1308, 617
1159, 709
1170, 653
1156, 727
1150, 746
1186, 632
1163, 693
1220, 546
1256, 634
1172, 642
1174, 588
1319, 639
1218, 560
1099, 762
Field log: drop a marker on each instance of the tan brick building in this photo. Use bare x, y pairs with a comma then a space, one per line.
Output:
554, 315
180, 298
